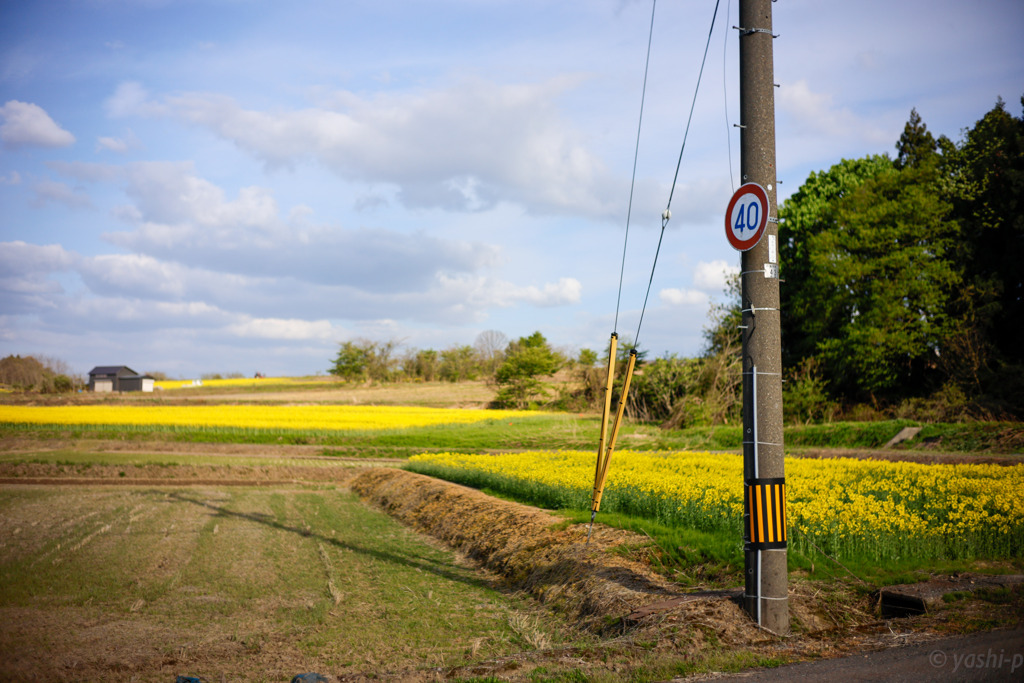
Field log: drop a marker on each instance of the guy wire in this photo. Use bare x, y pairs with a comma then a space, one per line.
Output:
636, 154
692, 105
667, 214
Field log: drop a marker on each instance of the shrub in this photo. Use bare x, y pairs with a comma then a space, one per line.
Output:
804, 396
685, 392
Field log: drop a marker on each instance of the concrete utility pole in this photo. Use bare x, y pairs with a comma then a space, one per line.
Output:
765, 595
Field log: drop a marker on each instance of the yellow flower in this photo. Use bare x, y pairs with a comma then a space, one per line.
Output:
252, 416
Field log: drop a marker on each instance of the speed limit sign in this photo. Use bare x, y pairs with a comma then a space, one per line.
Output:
747, 216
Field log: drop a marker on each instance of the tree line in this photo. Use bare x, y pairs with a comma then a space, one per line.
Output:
902, 296
903, 276
38, 374
515, 367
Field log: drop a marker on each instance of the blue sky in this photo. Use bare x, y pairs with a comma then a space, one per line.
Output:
203, 186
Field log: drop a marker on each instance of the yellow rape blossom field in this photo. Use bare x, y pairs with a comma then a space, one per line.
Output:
848, 507
305, 417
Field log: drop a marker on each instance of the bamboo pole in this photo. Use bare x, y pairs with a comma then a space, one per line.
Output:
604, 454
612, 349
595, 496
620, 411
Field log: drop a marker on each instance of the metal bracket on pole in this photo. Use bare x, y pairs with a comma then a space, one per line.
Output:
747, 31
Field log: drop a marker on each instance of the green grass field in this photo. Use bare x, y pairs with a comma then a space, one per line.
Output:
257, 585
558, 431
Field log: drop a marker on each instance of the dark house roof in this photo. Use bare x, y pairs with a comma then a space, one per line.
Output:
112, 371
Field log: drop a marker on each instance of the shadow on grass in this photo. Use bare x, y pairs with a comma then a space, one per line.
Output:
438, 568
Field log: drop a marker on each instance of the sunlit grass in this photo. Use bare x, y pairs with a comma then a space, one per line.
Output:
306, 578
86, 459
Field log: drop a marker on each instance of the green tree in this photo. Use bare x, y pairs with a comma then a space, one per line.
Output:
526, 360
363, 359
351, 362
990, 206
587, 358
984, 356
901, 277
916, 145
422, 364
807, 213
459, 363
878, 279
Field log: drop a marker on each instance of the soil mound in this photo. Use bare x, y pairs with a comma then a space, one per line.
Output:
534, 551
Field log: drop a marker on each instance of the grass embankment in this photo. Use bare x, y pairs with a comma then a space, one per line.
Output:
253, 584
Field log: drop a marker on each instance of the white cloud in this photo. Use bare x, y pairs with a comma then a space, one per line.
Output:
181, 217
87, 172
119, 145
25, 270
28, 125
566, 291
13, 178
133, 314
135, 275
480, 293
169, 193
131, 99
683, 297
22, 258
815, 112
276, 328
464, 147
712, 276
47, 191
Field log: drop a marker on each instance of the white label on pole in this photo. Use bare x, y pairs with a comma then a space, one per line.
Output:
772, 257
771, 270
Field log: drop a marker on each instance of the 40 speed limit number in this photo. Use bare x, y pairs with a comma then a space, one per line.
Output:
747, 216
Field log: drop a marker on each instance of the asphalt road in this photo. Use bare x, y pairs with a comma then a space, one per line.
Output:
988, 656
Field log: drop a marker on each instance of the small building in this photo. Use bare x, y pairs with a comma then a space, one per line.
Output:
104, 378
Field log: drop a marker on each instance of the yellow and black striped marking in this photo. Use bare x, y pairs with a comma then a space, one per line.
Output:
766, 513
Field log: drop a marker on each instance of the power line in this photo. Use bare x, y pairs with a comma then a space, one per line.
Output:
667, 213
725, 97
692, 105
636, 154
